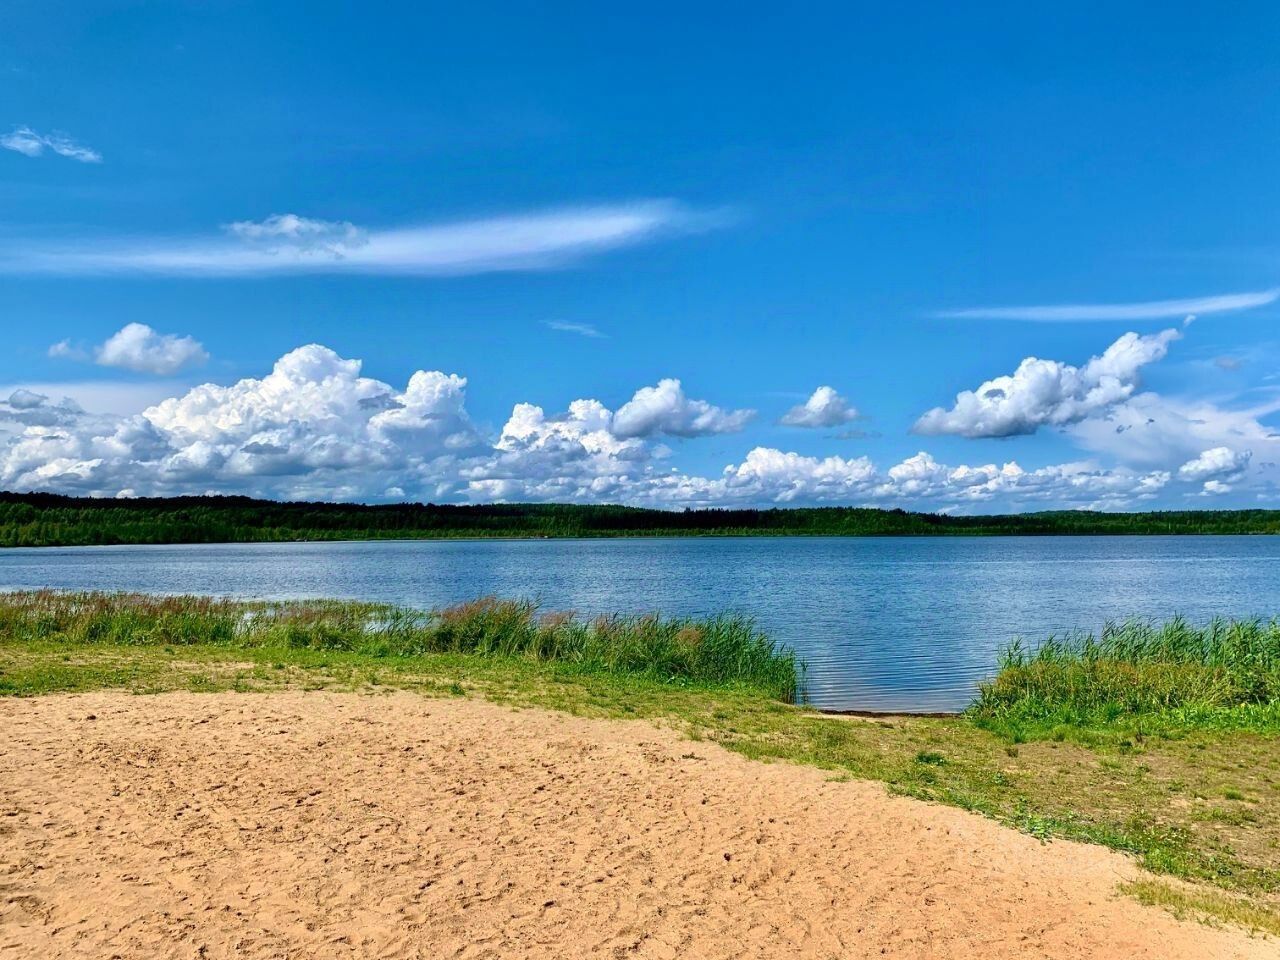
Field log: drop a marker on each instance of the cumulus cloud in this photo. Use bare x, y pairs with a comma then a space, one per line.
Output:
312, 427
592, 453
1048, 392
315, 427
139, 348
824, 408
770, 475
546, 469
1148, 310
27, 142
664, 409
571, 456
1079, 484
28, 408
289, 243
1220, 463
579, 456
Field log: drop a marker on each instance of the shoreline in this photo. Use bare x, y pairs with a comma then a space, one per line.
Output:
888, 714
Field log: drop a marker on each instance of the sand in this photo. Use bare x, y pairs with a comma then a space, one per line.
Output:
340, 825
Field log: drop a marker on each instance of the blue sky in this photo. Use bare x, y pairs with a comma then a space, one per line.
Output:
562, 203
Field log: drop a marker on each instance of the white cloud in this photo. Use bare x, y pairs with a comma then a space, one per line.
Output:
581, 329
1048, 392
107, 397
1148, 310
66, 350
315, 428
1220, 463
769, 475
139, 348
572, 456
1080, 484
1153, 430
565, 469
288, 243
825, 408
290, 231
592, 453
664, 409
27, 142
29, 408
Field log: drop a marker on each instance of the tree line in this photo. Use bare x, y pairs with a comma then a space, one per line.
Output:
43, 519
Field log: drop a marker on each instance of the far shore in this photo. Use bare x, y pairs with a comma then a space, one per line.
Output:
46, 519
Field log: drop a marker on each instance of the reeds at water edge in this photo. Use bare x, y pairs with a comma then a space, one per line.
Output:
726, 649
1139, 667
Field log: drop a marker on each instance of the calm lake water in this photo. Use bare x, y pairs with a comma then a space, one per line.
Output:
884, 624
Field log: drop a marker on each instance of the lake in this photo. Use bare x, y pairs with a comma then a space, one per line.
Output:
884, 624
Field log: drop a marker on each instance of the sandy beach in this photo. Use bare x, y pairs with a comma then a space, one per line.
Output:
292, 825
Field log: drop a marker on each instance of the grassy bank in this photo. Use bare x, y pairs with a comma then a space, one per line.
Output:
1190, 796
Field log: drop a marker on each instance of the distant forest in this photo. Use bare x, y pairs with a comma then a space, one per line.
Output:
45, 520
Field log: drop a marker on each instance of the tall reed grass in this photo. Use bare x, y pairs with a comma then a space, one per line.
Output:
1137, 667
721, 650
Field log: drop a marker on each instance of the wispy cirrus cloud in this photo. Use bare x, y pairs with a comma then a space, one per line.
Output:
291, 244
1146, 310
581, 329
27, 142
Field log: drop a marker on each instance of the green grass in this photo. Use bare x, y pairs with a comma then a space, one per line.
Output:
1188, 794
1137, 679
724, 650
1207, 906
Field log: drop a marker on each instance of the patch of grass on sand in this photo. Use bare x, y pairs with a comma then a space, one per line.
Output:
1204, 905
1198, 802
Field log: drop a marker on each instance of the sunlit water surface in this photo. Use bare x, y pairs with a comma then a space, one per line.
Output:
883, 624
